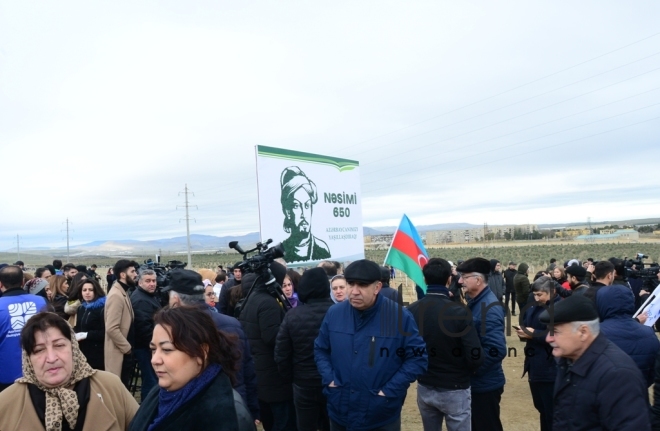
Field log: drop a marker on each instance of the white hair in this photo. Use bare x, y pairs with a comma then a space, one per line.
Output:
187, 299
593, 325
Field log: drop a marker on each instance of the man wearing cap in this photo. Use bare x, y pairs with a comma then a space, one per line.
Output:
16, 308
298, 198
598, 386
576, 275
510, 291
487, 382
187, 288
368, 352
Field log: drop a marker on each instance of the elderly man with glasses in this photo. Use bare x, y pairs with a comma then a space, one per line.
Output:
487, 383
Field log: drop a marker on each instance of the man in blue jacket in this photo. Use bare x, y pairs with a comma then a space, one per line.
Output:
487, 383
16, 308
368, 352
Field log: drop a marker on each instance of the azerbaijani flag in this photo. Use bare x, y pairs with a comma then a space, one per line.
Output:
407, 252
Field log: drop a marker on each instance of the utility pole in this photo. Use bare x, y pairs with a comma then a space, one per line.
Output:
68, 254
18, 248
187, 206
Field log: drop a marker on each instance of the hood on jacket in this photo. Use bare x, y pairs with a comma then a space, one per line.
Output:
613, 301
313, 284
493, 264
522, 268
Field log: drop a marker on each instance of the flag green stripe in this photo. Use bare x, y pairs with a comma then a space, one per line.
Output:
404, 263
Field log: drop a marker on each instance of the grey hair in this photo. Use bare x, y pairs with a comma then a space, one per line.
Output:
544, 284
593, 325
144, 272
188, 299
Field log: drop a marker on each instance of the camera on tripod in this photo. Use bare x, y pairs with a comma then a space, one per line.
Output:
259, 264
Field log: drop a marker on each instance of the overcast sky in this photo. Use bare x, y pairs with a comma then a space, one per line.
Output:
497, 112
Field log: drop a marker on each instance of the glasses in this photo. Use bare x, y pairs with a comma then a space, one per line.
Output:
465, 277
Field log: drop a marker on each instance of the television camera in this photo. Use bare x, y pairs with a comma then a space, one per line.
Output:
259, 264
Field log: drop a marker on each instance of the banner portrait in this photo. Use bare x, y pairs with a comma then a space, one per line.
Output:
311, 204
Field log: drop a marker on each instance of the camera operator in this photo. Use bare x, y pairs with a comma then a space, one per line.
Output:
261, 316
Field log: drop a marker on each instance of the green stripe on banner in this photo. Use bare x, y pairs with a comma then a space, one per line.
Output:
280, 153
404, 263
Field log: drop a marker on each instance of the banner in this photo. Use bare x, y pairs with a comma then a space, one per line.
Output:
652, 307
311, 204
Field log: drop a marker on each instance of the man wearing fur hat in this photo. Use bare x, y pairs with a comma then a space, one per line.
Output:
298, 198
487, 383
598, 386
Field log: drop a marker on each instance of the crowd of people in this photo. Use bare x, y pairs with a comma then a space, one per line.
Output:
330, 348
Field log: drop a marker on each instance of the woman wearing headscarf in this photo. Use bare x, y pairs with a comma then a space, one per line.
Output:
195, 365
90, 323
59, 391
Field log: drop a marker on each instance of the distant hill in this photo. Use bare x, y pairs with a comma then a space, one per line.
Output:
210, 243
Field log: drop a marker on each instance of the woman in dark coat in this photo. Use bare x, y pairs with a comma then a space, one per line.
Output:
60, 288
540, 365
195, 364
90, 323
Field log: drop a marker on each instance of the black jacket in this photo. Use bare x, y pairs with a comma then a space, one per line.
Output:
90, 319
602, 390
540, 365
656, 396
216, 408
294, 348
223, 301
261, 318
509, 275
452, 358
145, 305
592, 290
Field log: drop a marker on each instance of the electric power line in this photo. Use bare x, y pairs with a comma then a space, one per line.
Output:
187, 218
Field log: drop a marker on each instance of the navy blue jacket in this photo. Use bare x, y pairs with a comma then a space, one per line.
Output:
364, 352
246, 379
539, 362
616, 305
490, 375
602, 390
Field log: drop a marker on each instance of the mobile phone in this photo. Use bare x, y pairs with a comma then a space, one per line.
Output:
516, 327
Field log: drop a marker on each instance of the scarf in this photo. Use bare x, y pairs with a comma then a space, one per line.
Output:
97, 303
60, 401
171, 401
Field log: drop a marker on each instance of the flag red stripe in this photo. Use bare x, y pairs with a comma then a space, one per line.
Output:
406, 245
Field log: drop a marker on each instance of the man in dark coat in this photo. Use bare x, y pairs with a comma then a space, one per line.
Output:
598, 386
187, 288
495, 279
487, 382
225, 293
261, 318
576, 274
368, 352
522, 286
616, 305
604, 273
145, 304
454, 352
294, 350
387, 291
510, 291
